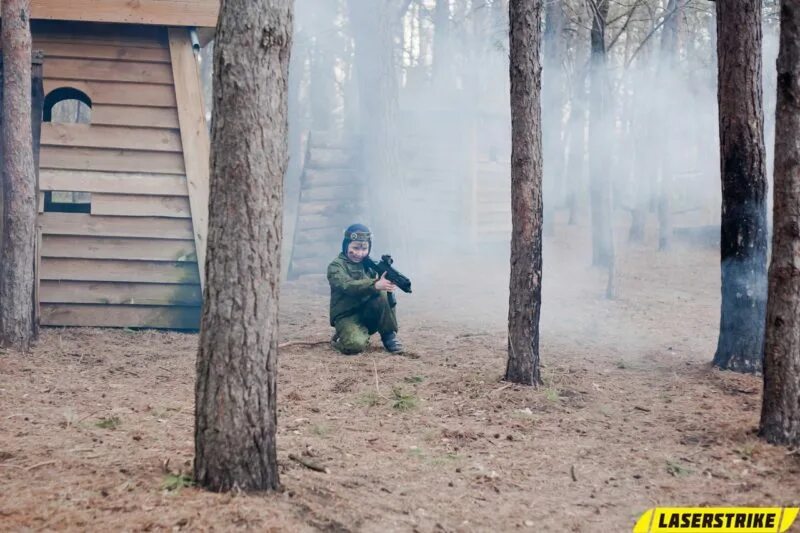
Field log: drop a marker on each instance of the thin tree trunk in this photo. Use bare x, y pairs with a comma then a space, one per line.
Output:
235, 415
442, 57
645, 144
668, 66
525, 296
553, 91
743, 239
577, 145
322, 86
19, 181
639, 164
372, 24
780, 411
599, 133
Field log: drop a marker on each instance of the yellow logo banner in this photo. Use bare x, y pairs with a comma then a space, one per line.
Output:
717, 519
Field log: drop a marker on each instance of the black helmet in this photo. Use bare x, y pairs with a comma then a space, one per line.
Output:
356, 232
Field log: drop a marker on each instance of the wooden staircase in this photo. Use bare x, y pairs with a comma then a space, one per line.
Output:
332, 196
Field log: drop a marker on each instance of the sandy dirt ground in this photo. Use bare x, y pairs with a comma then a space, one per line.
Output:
96, 426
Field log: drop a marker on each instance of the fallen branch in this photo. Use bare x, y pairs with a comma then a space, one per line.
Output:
302, 343
638, 408
375, 369
308, 464
498, 389
37, 465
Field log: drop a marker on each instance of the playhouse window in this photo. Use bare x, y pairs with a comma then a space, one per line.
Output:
67, 106
67, 202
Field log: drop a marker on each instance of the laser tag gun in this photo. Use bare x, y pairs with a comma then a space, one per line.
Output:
385, 267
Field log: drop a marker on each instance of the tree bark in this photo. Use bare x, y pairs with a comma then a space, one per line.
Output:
19, 181
525, 295
743, 239
780, 412
599, 133
235, 416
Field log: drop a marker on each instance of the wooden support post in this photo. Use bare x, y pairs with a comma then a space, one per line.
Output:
37, 108
194, 136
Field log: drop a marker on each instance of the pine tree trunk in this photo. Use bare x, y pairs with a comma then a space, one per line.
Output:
525, 296
667, 69
372, 25
780, 412
643, 143
577, 145
19, 181
236, 398
743, 239
322, 86
553, 91
599, 133
442, 57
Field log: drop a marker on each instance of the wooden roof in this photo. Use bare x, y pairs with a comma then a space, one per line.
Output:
200, 13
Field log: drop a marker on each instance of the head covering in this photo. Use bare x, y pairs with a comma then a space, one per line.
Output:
356, 232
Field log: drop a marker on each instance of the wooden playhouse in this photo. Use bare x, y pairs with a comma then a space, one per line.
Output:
124, 186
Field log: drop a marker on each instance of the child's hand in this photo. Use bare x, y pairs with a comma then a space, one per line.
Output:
384, 284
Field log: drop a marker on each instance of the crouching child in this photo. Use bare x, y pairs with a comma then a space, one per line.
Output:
359, 298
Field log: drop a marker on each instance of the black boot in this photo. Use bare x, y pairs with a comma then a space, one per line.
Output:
391, 342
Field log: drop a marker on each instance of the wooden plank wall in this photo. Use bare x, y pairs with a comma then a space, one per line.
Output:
131, 262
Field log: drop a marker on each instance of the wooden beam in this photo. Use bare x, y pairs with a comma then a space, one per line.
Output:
97, 33
68, 68
194, 134
37, 279
118, 93
109, 292
122, 137
112, 270
111, 160
121, 316
201, 13
130, 205
101, 226
112, 182
78, 50
127, 115
77, 247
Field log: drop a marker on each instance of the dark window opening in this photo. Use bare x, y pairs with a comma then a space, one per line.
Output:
67, 202
68, 106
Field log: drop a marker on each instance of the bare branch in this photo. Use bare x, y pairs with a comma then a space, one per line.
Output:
664, 19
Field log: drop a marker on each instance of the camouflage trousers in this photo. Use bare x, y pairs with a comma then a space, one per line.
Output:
353, 331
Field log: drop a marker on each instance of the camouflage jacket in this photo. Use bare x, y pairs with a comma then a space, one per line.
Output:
351, 286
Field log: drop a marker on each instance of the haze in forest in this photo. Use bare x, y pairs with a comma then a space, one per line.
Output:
417, 93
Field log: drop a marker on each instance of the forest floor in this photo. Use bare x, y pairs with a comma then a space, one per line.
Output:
96, 426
